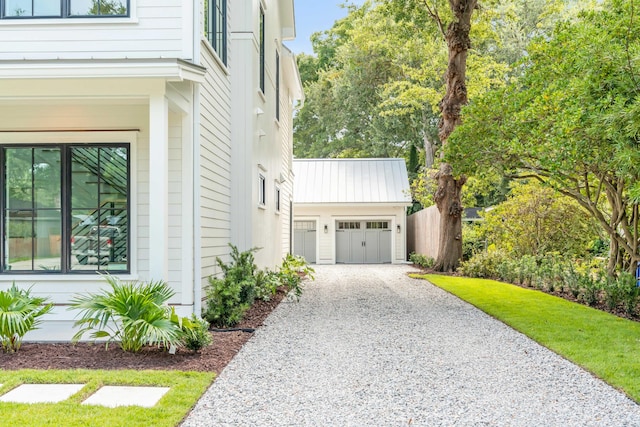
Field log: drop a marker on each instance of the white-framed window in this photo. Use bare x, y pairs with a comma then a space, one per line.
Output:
262, 190
25, 9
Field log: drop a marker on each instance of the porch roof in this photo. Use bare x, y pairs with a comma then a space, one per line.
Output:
170, 69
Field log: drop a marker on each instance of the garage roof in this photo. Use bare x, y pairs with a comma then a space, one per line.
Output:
351, 181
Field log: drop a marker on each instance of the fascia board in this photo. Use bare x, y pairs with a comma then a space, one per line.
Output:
168, 69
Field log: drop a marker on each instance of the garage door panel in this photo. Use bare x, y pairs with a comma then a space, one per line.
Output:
359, 242
385, 246
304, 240
372, 245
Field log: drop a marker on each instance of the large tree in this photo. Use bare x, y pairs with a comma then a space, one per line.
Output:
572, 122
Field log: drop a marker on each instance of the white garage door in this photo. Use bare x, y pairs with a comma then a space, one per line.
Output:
363, 242
304, 240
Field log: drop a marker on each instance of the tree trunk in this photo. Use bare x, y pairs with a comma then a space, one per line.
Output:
448, 201
428, 152
448, 194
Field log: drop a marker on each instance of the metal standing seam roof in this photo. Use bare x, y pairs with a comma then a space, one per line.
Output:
351, 181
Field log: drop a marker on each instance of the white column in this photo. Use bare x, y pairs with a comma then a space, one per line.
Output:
158, 187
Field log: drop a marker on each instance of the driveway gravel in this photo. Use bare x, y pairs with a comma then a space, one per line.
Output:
369, 346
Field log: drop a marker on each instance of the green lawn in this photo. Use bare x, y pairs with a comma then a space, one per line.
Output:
605, 345
186, 389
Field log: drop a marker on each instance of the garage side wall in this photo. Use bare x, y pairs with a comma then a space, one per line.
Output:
328, 215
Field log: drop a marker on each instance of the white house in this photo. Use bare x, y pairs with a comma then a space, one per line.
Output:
351, 210
132, 136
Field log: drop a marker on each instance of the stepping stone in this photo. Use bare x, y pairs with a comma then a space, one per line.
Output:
112, 396
41, 393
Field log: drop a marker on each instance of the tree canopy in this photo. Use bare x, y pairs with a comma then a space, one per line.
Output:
570, 121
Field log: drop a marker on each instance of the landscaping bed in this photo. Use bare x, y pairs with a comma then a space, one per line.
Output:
94, 356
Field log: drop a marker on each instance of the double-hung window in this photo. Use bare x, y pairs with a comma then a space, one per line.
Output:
17, 9
65, 208
216, 26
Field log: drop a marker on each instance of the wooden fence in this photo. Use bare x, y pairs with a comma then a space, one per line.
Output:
423, 232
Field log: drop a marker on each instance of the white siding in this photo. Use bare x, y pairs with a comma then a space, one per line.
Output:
215, 164
260, 142
155, 30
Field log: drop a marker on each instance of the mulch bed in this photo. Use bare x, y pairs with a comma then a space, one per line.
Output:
94, 356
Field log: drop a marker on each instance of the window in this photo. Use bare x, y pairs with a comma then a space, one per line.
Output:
377, 225
63, 8
262, 70
277, 199
277, 85
262, 190
215, 22
65, 208
348, 225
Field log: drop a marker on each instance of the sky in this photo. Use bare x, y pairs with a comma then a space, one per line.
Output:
313, 16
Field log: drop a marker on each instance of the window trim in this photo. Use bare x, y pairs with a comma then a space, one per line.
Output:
65, 9
97, 138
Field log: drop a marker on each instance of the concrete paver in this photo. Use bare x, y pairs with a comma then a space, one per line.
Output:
41, 393
114, 396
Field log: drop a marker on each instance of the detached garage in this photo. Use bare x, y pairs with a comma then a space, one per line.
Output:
350, 211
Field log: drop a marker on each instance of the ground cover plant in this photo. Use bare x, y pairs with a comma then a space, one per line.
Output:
600, 342
186, 389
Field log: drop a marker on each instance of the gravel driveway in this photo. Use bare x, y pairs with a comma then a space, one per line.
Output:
368, 346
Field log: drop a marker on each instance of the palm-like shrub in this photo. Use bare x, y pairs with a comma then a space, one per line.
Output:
133, 313
19, 314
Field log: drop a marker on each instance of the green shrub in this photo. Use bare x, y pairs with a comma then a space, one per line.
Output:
292, 271
421, 261
589, 288
196, 334
133, 313
630, 292
484, 264
19, 314
267, 283
230, 297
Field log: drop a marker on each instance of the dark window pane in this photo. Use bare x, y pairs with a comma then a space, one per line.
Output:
47, 8
19, 178
84, 178
46, 178
48, 232
99, 235
98, 8
19, 245
18, 8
